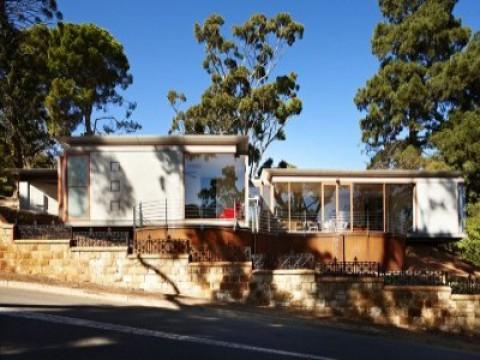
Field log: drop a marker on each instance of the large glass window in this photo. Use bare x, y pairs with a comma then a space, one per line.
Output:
281, 203
368, 207
400, 208
305, 205
312, 197
330, 207
77, 182
343, 213
214, 186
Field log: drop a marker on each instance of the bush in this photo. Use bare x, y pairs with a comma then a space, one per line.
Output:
470, 246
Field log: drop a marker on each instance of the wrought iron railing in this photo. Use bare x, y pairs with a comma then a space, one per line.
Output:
162, 246
464, 285
42, 232
100, 238
415, 277
349, 268
220, 253
286, 261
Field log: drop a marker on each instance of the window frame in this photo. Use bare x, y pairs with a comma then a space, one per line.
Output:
87, 187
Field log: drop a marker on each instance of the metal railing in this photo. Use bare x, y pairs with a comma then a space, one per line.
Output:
349, 268
42, 232
162, 246
464, 285
172, 213
100, 238
415, 277
304, 222
220, 253
284, 262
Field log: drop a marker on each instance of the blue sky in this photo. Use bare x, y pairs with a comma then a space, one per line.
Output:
332, 61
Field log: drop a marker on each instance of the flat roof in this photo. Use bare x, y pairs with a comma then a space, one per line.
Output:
241, 142
384, 173
36, 173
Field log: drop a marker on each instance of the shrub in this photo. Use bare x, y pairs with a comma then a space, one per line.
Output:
470, 246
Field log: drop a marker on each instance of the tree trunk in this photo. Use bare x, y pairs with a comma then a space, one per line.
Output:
18, 160
88, 121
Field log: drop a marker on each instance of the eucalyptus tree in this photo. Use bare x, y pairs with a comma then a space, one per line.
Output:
246, 96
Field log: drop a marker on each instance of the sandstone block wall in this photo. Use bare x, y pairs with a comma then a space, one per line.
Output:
112, 266
412, 307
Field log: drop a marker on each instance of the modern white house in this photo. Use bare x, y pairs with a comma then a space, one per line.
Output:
200, 180
195, 188
110, 180
417, 204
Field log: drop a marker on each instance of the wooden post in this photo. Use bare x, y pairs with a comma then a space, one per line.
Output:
305, 220
234, 215
289, 207
384, 209
323, 207
351, 207
166, 214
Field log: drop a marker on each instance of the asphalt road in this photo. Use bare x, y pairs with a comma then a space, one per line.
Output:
38, 325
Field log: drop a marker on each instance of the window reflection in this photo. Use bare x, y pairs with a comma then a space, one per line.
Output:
305, 203
330, 204
298, 207
400, 208
343, 213
214, 186
368, 207
281, 203
77, 182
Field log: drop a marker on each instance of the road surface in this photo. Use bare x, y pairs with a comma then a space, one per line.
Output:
43, 325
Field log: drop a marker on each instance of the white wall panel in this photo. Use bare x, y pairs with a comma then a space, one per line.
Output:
149, 176
437, 207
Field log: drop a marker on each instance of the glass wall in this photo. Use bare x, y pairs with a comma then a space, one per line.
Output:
368, 207
312, 197
346, 207
214, 186
77, 184
282, 206
399, 199
343, 211
330, 207
305, 205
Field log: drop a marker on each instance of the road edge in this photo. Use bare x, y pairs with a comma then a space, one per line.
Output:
100, 295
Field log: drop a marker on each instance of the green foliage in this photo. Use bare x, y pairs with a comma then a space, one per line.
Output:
24, 80
87, 65
18, 14
459, 145
268, 164
50, 80
23, 135
470, 246
402, 104
244, 97
425, 98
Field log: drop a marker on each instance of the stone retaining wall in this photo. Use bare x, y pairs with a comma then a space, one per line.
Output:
112, 266
412, 307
